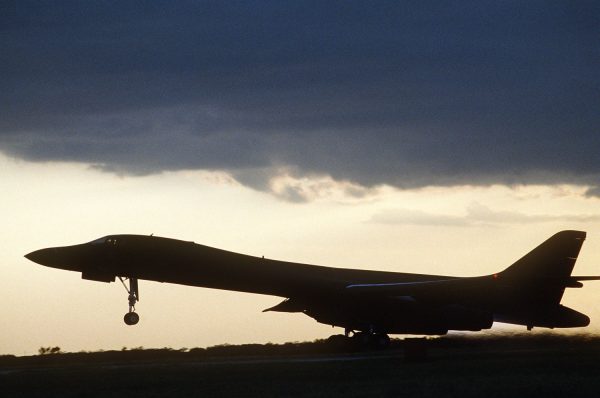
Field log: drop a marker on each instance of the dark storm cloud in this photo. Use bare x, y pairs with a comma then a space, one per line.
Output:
404, 93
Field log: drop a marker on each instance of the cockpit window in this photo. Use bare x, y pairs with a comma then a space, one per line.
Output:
99, 241
106, 240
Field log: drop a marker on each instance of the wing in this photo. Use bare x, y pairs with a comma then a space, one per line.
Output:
454, 290
447, 290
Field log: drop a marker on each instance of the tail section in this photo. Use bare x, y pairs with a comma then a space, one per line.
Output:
541, 276
555, 258
536, 282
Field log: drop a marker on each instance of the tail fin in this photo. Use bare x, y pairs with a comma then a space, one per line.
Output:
545, 271
554, 258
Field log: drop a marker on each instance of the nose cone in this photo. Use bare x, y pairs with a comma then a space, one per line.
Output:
42, 256
67, 257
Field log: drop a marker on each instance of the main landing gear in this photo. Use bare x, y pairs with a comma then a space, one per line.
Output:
361, 340
131, 318
368, 338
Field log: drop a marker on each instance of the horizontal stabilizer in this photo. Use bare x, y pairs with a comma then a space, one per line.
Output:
575, 281
586, 278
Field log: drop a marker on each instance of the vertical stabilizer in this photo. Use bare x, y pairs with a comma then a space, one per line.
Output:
554, 258
542, 274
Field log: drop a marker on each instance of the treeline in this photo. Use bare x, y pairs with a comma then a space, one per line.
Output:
54, 355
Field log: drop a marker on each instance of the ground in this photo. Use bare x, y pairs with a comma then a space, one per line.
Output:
548, 367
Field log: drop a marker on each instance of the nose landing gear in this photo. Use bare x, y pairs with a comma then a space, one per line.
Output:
131, 318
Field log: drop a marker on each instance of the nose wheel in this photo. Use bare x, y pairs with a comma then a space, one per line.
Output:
131, 318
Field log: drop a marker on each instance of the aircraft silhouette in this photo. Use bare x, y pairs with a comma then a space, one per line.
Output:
367, 304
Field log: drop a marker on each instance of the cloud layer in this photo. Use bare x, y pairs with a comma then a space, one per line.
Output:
476, 215
405, 95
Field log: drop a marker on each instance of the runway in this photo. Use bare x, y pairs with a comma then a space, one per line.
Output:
470, 369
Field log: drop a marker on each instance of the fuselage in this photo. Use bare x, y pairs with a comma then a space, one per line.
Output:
390, 302
187, 263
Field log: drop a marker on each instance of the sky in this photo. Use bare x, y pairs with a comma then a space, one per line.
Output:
405, 136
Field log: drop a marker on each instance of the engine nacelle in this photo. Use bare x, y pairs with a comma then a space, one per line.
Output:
457, 317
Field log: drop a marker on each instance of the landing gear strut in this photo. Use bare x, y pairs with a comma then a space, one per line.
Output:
131, 318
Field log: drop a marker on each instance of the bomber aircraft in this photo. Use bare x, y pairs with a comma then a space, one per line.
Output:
368, 304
